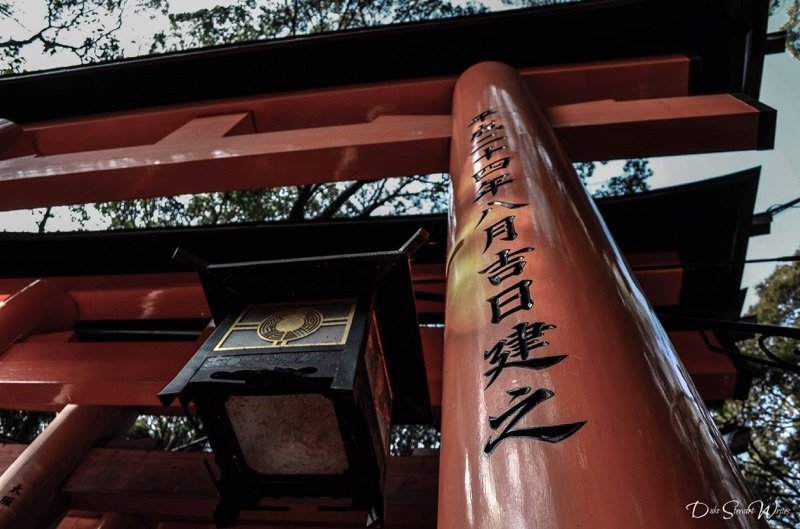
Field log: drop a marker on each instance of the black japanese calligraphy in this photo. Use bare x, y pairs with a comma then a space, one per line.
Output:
8, 499
486, 140
514, 350
550, 434
502, 229
484, 128
507, 264
521, 348
506, 205
510, 300
488, 152
481, 117
497, 165
491, 186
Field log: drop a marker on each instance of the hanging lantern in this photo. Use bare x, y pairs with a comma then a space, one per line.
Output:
298, 385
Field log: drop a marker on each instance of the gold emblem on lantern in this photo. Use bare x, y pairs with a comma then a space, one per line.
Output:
290, 325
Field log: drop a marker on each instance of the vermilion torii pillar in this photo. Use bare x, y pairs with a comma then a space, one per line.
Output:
564, 404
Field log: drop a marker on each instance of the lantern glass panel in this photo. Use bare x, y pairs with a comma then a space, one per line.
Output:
288, 434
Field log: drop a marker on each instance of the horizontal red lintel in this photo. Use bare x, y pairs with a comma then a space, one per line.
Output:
646, 77
389, 146
44, 375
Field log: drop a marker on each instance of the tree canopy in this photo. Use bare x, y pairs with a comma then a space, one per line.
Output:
772, 412
792, 24
91, 31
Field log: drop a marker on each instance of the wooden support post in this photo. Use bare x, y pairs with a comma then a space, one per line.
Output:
30, 486
210, 127
41, 304
563, 403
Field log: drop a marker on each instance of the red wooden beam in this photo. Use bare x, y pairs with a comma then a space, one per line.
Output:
643, 78
650, 77
128, 297
605, 130
175, 486
41, 375
41, 305
209, 128
180, 295
31, 483
386, 147
713, 374
44, 375
114, 520
660, 275
14, 141
75, 522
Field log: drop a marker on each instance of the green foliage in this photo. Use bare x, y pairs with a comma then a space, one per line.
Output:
86, 29
792, 29
250, 20
409, 437
792, 24
19, 426
632, 180
410, 195
170, 433
772, 411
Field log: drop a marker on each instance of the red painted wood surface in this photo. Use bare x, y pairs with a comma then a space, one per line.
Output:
638, 78
180, 295
713, 374
415, 144
174, 488
34, 479
113, 520
679, 125
129, 296
660, 275
348, 133
42, 375
48, 372
48, 369
74, 522
14, 141
611, 435
41, 305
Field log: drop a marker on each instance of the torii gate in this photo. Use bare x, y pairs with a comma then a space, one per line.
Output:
563, 402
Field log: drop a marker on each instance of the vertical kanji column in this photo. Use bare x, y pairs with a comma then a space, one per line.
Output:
564, 404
